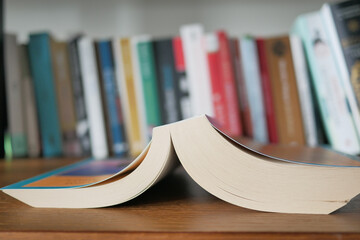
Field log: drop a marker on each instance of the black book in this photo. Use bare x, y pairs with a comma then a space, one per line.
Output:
168, 83
82, 125
3, 115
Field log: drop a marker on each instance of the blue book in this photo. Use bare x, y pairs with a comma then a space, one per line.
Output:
43, 77
112, 98
250, 63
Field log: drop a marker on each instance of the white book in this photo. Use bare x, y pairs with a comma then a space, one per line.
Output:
197, 69
30, 116
330, 92
303, 85
15, 108
333, 37
249, 59
139, 86
89, 72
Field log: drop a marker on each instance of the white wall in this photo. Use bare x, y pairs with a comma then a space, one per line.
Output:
158, 17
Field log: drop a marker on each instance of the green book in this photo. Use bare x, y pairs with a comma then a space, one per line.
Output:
149, 83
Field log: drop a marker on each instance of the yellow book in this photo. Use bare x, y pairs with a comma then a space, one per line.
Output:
126, 85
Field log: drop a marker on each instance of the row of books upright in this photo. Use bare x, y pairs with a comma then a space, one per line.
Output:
103, 97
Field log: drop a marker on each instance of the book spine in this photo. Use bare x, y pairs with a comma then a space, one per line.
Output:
340, 21
15, 106
65, 98
168, 86
330, 94
112, 99
197, 69
82, 124
241, 89
140, 98
3, 110
304, 88
252, 81
42, 72
181, 78
284, 91
89, 73
228, 79
30, 116
267, 92
149, 84
217, 86
126, 85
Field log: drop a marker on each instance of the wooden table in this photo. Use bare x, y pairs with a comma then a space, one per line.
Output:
176, 208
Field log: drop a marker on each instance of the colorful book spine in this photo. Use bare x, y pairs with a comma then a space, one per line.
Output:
181, 78
93, 103
43, 77
341, 21
197, 69
126, 85
223, 83
305, 94
148, 77
140, 98
267, 92
284, 91
65, 98
112, 99
249, 59
82, 123
30, 116
241, 89
330, 94
168, 87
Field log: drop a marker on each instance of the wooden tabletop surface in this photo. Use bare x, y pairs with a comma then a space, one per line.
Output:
175, 208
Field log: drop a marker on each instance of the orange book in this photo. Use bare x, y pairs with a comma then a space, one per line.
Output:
284, 91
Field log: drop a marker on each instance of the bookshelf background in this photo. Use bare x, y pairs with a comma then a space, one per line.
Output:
156, 17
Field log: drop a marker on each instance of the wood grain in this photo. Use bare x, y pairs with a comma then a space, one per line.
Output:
175, 208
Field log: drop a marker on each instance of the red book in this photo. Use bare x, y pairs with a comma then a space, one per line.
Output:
267, 93
223, 83
217, 89
242, 94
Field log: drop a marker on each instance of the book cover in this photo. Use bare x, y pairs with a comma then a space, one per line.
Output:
330, 95
93, 103
126, 85
45, 94
148, 77
112, 98
284, 91
82, 123
65, 98
197, 69
181, 78
250, 62
15, 104
168, 87
241, 89
341, 21
267, 92
30, 111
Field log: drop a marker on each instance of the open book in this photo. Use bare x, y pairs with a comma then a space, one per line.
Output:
255, 176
